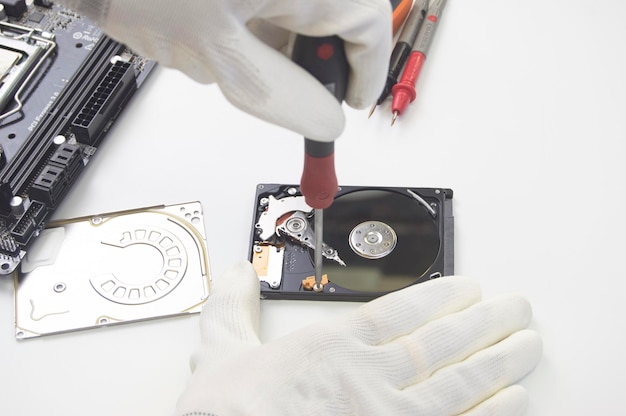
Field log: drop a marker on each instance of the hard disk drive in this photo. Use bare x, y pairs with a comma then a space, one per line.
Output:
113, 268
376, 240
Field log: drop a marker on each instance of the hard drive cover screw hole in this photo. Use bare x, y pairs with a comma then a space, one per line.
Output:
96, 220
20, 334
258, 249
331, 290
59, 287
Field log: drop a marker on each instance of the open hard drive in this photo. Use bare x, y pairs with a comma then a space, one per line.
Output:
113, 268
376, 240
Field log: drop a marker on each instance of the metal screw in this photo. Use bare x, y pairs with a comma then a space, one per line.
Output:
258, 249
96, 220
292, 191
295, 224
59, 287
264, 201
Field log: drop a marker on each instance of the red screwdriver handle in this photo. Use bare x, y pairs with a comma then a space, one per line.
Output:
319, 182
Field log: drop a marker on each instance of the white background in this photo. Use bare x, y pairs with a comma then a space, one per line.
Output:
521, 111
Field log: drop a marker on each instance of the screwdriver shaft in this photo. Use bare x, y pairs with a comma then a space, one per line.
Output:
319, 241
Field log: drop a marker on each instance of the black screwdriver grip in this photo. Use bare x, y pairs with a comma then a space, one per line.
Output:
325, 59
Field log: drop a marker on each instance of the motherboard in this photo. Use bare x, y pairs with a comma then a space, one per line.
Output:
63, 83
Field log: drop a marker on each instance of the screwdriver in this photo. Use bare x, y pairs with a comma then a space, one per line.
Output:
325, 59
404, 90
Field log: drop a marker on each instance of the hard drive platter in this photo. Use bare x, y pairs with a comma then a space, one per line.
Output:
376, 240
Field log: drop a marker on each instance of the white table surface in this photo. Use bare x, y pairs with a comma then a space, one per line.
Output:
521, 110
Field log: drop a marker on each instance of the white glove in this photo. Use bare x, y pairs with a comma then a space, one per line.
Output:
431, 349
211, 41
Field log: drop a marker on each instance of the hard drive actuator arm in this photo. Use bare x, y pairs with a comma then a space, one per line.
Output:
297, 227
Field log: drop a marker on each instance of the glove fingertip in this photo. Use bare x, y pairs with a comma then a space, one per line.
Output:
230, 317
518, 305
532, 342
511, 400
458, 284
240, 278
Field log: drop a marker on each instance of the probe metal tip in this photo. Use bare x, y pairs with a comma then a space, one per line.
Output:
395, 116
372, 110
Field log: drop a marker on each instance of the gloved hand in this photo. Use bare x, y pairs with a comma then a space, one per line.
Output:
431, 349
214, 41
